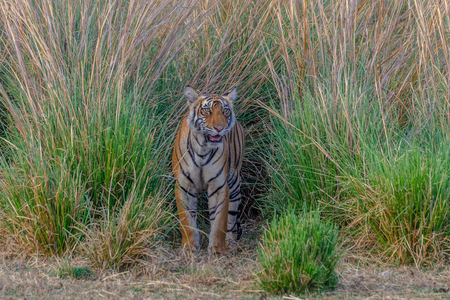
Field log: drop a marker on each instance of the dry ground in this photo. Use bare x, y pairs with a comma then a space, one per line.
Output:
173, 274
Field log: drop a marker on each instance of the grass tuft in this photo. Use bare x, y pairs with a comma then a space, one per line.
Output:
298, 253
66, 269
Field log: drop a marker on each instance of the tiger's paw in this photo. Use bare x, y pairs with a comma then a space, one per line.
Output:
217, 250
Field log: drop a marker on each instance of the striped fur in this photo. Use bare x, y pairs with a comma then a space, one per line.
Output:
207, 156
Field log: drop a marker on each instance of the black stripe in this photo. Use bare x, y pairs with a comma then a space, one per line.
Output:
234, 186
213, 152
184, 190
204, 155
189, 150
213, 215
235, 225
179, 149
237, 156
195, 136
181, 168
235, 152
235, 179
235, 200
217, 190
218, 173
233, 212
187, 176
176, 156
235, 193
223, 149
229, 147
214, 209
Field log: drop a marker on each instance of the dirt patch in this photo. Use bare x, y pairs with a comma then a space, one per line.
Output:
374, 282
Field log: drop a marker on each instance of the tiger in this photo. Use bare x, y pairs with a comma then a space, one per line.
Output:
207, 156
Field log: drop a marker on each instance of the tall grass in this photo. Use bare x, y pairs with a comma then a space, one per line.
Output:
338, 97
93, 94
363, 123
84, 148
405, 201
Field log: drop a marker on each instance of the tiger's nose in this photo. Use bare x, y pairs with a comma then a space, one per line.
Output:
219, 128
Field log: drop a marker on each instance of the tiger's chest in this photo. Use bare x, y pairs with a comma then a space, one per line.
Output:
209, 167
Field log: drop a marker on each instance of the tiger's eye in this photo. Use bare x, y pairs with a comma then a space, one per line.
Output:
206, 110
226, 111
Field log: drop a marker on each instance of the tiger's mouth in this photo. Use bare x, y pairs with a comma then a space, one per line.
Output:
214, 138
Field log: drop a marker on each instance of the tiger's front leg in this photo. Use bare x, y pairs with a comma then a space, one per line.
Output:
218, 200
187, 213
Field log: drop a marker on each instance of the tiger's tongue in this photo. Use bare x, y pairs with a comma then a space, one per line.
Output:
215, 138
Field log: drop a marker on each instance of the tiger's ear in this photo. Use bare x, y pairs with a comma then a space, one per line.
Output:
231, 95
190, 94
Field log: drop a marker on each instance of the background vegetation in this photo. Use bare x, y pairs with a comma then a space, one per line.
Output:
346, 105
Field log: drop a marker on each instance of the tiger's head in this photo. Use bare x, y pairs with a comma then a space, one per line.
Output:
211, 114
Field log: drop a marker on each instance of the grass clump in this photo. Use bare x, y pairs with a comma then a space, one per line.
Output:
298, 253
65, 269
81, 273
405, 202
119, 240
76, 273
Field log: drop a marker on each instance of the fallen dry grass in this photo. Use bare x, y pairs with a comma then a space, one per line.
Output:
173, 274
169, 274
